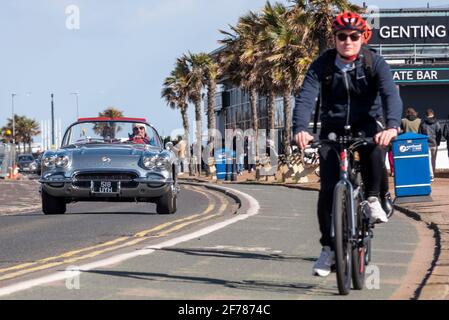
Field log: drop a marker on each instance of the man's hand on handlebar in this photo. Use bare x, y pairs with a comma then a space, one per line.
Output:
384, 138
303, 139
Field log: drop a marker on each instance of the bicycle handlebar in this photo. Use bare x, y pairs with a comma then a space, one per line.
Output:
352, 142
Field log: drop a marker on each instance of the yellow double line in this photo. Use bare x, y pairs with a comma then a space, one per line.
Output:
71, 256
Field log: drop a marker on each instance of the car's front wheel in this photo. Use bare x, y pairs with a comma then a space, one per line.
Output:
52, 205
167, 204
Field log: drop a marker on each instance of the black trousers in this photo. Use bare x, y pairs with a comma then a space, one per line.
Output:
384, 185
372, 160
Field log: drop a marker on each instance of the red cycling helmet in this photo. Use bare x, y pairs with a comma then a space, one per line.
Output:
349, 21
367, 34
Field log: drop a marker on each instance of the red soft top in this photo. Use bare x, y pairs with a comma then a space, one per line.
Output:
143, 120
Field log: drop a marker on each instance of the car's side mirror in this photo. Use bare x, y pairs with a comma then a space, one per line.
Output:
169, 145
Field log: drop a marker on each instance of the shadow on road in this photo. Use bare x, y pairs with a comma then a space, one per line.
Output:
253, 285
238, 254
112, 213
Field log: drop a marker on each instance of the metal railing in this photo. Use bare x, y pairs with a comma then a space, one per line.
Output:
413, 52
7, 156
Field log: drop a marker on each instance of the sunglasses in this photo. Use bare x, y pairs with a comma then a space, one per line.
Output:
139, 128
354, 36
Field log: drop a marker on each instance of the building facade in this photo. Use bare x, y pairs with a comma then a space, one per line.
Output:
415, 42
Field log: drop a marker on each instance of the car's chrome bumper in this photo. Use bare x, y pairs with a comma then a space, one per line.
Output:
144, 188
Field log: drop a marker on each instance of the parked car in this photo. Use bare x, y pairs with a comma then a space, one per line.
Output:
36, 166
24, 162
105, 159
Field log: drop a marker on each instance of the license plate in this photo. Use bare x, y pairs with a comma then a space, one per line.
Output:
105, 187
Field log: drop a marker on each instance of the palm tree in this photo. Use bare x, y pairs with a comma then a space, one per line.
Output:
288, 53
25, 130
108, 130
175, 91
8, 128
321, 13
30, 128
210, 77
237, 61
197, 68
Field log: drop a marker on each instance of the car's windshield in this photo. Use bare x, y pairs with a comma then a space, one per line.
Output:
107, 132
25, 158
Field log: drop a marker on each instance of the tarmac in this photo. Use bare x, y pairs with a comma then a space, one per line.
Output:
23, 196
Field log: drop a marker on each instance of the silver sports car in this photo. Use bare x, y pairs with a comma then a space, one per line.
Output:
105, 159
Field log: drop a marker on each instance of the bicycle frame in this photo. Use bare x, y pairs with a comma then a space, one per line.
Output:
346, 183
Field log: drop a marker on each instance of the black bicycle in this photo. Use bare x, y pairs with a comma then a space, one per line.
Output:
351, 227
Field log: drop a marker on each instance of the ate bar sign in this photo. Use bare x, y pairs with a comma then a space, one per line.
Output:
420, 75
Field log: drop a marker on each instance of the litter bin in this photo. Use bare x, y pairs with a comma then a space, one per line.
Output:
231, 171
220, 163
411, 165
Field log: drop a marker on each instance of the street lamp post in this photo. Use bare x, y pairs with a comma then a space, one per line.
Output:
76, 94
52, 122
13, 119
13, 149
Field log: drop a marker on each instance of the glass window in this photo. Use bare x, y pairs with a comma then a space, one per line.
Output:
111, 132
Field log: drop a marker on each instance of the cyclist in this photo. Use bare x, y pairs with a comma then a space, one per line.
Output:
350, 93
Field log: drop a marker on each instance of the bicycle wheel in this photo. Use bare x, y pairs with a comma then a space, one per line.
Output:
358, 267
342, 244
360, 251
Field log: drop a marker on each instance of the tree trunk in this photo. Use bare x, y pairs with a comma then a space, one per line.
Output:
322, 43
287, 119
211, 121
185, 124
197, 149
254, 102
271, 114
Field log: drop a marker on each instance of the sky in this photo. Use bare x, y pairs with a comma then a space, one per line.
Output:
118, 55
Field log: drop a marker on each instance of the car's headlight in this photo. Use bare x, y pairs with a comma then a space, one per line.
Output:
155, 162
149, 162
162, 163
49, 162
62, 161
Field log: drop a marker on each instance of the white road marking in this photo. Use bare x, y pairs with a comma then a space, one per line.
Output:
244, 249
62, 275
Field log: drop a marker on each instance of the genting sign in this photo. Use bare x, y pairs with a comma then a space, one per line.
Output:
411, 30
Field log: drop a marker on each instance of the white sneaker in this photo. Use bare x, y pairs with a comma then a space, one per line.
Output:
322, 266
377, 214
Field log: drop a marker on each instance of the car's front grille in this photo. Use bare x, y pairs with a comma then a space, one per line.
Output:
83, 180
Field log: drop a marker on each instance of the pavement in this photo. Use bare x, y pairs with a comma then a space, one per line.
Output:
19, 196
436, 215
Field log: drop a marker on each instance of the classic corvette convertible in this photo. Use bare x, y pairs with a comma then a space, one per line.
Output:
109, 159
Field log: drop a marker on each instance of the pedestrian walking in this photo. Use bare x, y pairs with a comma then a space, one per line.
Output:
411, 122
250, 153
181, 147
446, 134
431, 128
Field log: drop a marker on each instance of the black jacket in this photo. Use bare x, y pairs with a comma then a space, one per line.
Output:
366, 98
446, 131
431, 128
